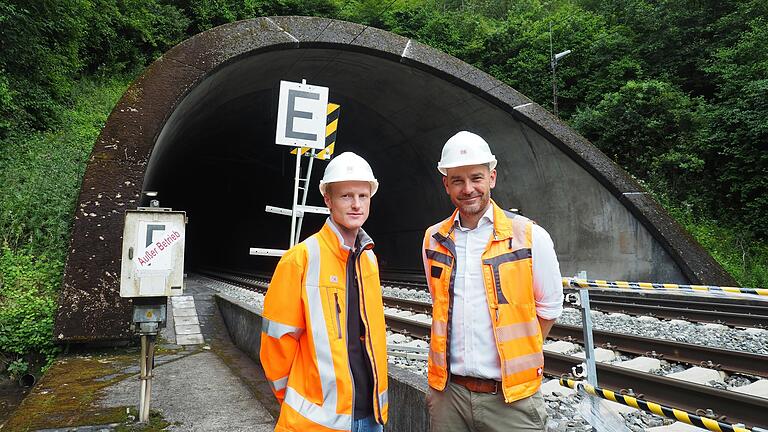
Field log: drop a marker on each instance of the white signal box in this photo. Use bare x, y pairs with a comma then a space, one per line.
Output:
153, 253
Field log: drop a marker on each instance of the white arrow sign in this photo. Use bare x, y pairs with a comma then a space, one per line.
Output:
155, 241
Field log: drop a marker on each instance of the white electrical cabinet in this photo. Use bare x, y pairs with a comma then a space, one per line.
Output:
153, 253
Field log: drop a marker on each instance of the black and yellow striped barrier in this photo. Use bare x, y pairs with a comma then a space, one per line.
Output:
655, 408
585, 283
331, 126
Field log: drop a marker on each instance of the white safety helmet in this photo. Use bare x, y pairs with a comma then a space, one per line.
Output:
464, 149
348, 167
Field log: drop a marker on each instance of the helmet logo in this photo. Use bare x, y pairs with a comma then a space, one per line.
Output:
463, 152
350, 168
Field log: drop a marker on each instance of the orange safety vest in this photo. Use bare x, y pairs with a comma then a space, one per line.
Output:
304, 338
508, 279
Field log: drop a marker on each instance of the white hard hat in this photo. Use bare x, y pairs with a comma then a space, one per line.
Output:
464, 149
348, 167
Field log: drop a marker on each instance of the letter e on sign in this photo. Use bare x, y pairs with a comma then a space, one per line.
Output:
301, 115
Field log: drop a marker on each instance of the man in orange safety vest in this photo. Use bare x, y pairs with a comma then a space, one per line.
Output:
323, 340
496, 292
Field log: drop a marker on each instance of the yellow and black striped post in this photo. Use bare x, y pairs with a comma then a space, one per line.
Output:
331, 126
604, 284
655, 408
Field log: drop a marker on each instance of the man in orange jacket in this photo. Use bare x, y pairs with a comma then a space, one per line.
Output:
323, 340
496, 292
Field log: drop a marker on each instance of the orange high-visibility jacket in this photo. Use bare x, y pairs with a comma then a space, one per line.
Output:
304, 337
508, 279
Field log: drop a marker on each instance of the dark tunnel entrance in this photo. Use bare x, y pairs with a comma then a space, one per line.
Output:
198, 127
217, 160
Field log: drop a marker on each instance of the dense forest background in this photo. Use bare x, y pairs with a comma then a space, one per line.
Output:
675, 91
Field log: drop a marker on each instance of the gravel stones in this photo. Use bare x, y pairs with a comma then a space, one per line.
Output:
406, 293
676, 330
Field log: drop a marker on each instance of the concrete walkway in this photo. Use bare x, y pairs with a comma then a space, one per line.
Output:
211, 386
197, 392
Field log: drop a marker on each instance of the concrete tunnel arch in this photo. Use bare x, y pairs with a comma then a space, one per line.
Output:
198, 127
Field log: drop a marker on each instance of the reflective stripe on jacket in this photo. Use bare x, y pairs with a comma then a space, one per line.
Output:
508, 279
303, 339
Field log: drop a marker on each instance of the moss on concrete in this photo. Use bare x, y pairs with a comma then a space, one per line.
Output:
66, 394
156, 423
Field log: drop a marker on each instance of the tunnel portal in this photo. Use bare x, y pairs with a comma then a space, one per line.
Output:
198, 127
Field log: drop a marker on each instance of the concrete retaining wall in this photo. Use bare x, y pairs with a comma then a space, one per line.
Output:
407, 407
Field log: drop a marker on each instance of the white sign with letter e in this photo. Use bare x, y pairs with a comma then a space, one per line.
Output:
301, 115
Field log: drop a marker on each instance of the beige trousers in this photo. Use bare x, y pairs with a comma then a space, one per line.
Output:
459, 410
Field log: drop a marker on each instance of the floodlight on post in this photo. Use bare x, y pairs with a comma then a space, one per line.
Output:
553, 59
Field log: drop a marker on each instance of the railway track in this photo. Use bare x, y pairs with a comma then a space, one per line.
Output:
733, 312
736, 407
728, 361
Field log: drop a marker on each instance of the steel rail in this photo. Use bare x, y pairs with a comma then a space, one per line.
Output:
741, 306
729, 361
415, 306
408, 326
697, 315
737, 407
741, 314
697, 355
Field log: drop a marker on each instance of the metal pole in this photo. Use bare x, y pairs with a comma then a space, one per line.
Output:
295, 196
589, 343
143, 415
148, 368
553, 63
305, 193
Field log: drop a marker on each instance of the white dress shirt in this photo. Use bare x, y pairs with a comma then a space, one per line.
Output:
473, 346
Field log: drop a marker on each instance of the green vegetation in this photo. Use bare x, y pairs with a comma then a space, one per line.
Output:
67, 395
40, 174
673, 90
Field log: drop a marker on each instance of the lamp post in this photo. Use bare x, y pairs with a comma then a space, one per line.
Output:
553, 58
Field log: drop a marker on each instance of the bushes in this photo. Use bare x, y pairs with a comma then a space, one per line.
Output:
28, 286
40, 172
652, 129
736, 249
48, 45
40, 175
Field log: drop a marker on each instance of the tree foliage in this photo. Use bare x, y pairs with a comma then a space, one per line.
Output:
650, 127
676, 91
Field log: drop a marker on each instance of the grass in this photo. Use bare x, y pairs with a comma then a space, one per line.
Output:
744, 257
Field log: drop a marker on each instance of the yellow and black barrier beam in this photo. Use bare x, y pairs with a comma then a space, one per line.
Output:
331, 126
654, 408
604, 284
